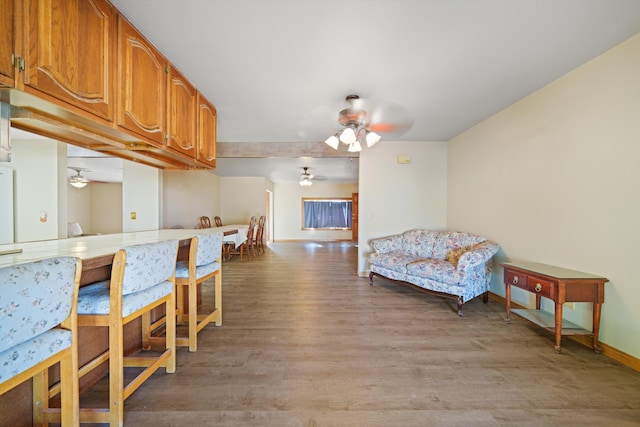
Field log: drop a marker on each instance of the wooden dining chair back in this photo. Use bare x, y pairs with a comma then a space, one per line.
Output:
259, 237
38, 303
205, 258
218, 221
248, 244
142, 278
205, 222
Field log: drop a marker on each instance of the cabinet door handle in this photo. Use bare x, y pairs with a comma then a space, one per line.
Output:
538, 287
515, 280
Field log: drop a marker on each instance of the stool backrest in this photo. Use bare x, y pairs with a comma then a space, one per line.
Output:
209, 248
148, 265
34, 298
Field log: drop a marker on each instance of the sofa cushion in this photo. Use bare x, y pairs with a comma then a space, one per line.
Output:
395, 260
420, 243
435, 269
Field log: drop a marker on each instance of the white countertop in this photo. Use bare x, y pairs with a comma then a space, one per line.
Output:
86, 247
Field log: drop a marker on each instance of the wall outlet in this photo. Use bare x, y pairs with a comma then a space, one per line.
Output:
133, 215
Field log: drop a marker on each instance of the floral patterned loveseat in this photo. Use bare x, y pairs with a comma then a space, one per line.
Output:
447, 263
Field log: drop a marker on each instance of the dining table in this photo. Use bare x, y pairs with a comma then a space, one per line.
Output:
234, 236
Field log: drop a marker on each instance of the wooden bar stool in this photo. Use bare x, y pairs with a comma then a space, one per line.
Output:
142, 278
38, 329
205, 253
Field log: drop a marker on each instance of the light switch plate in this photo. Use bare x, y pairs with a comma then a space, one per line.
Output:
404, 160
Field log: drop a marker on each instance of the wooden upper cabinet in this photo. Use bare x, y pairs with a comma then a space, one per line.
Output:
142, 98
206, 147
183, 99
7, 50
69, 52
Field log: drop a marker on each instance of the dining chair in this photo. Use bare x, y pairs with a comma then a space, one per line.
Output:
205, 222
248, 244
38, 329
259, 236
142, 278
204, 263
227, 247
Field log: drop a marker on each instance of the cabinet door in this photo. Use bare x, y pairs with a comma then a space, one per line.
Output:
7, 69
69, 52
142, 95
206, 148
182, 114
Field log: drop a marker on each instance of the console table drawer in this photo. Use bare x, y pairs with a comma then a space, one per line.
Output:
539, 286
516, 279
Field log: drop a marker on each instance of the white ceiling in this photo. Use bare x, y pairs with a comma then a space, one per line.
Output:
278, 70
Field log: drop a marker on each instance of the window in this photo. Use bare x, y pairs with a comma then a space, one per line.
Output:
333, 214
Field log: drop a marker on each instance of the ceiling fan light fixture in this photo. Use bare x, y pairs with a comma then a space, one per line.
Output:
305, 182
78, 183
356, 132
355, 147
348, 136
372, 139
78, 180
332, 142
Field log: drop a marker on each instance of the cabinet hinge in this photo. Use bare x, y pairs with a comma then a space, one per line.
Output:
166, 136
17, 61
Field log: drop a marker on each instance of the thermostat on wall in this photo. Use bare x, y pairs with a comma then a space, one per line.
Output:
404, 160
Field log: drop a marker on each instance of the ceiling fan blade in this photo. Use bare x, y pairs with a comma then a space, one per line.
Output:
389, 118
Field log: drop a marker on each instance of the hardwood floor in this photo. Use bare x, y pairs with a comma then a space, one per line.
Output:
305, 342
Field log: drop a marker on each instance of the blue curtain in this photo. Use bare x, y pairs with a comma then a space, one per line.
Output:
327, 214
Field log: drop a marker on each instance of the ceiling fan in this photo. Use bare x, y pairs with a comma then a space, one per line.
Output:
78, 180
361, 126
306, 178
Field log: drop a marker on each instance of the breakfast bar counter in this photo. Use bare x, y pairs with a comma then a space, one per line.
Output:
97, 253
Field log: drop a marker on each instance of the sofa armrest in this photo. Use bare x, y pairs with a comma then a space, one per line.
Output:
387, 244
479, 255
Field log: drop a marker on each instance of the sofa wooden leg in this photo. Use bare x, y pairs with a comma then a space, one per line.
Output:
485, 297
459, 301
371, 279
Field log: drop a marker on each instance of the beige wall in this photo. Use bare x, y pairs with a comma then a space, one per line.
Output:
141, 192
79, 201
106, 208
555, 179
243, 197
188, 195
398, 197
287, 206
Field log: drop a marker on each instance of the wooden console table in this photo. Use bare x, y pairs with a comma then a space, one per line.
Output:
560, 285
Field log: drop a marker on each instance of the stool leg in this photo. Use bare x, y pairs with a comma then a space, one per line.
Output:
193, 315
70, 393
171, 333
40, 396
218, 298
116, 371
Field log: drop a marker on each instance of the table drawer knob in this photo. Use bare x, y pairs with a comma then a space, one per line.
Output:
515, 280
538, 287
